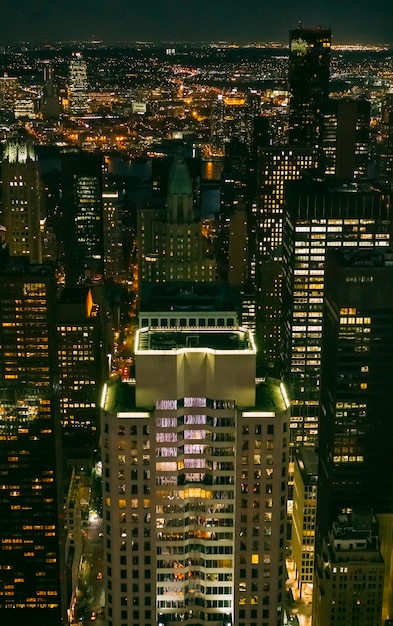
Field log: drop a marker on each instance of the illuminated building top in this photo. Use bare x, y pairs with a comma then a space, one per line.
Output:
19, 152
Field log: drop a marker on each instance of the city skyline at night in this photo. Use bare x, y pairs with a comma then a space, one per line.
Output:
196, 318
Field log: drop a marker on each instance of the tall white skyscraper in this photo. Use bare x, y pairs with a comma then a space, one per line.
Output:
195, 455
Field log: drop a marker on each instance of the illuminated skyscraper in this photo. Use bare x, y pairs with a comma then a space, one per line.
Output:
275, 166
22, 200
31, 540
194, 481
309, 58
9, 87
78, 84
320, 213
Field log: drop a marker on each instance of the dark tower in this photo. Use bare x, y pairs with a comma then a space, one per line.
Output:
346, 137
309, 58
82, 216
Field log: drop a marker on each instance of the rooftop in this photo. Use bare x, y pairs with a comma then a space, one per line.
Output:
194, 339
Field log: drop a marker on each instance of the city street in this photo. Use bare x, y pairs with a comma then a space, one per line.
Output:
91, 596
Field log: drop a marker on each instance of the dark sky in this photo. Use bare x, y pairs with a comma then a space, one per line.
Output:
351, 21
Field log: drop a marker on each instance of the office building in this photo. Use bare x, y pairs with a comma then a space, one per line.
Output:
275, 166
22, 200
309, 59
356, 426
187, 305
350, 573
77, 85
320, 213
113, 211
304, 517
355, 408
9, 88
194, 480
386, 147
82, 218
31, 538
345, 138
171, 244
81, 365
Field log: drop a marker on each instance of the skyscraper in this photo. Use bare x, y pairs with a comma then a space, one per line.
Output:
356, 411
171, 245
345, 138
194, 472
22, 200
79, 336
31, 539
275, 166
355, 468
82, 217
77, 86
320, 213
386, 147
309, 59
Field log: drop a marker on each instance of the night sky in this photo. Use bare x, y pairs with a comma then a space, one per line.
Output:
351, 21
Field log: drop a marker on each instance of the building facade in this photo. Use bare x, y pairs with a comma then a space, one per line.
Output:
194, 482
319, 215
22, 200
32, 574
275, 166
171, 245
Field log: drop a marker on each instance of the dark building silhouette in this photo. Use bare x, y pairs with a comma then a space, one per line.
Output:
82, 217
345, 138
81, 366
309, 58
356, 427
386, 146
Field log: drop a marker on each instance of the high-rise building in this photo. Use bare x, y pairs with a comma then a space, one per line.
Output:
113, 210
81, 364
187, 305
22, 200
171, 244
77, 86
194, 482
275, 166
386, 148
355, 468
309, 59
349, 574
345, 138
32, 574
9, 87
320, 213
82, 217
304, 517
